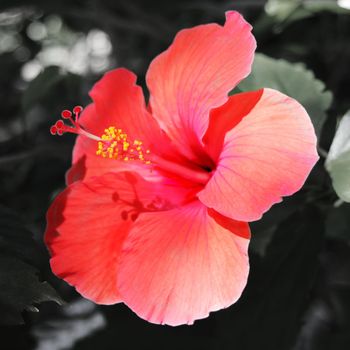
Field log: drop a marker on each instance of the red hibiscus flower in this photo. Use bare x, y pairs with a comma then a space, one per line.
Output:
158, 199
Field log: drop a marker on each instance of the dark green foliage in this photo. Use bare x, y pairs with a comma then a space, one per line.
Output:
20, 287
279, 288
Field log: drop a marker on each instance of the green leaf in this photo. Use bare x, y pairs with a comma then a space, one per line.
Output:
338, 160
40, 86
281, 9
315, 7
293, 80
289, 11
20, 287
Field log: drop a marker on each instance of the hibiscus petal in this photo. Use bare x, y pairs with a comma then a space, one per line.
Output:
267, 155
195, 74
88, 222
118, 102
177, 266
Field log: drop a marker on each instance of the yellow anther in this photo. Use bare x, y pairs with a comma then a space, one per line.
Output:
115, 144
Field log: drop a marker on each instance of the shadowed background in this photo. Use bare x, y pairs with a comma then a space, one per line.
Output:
51, 53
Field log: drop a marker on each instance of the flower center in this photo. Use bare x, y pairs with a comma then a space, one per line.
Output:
115, 144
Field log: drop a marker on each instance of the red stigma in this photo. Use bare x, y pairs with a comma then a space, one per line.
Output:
66, 114
53, 130
59, 124
77, 109
59, 128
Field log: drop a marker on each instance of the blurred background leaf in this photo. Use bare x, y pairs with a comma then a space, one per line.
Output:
41, 85
338, 159
285, 12
293, 80
72, 323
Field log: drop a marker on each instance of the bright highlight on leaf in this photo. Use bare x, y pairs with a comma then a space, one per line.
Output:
344, 3
338, 160
168, 233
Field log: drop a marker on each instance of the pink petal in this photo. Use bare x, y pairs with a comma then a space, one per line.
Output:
177, 266
195, 74
267, 155
88, 222
118, 102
